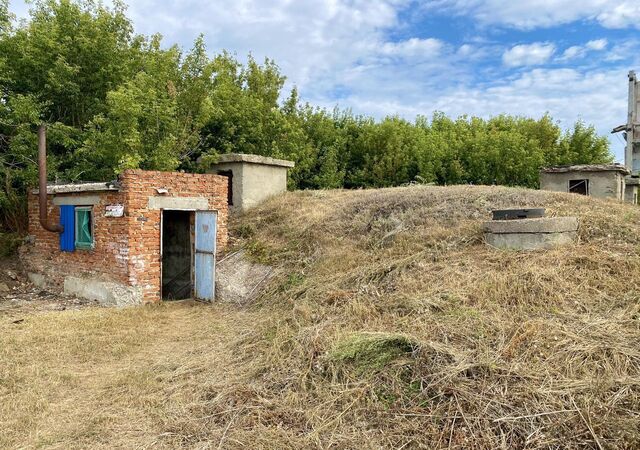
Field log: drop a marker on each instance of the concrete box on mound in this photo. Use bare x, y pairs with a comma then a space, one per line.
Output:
531, 234
251, 178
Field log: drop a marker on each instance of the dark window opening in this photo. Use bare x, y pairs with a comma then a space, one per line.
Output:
176, 255
229, 175
579, 187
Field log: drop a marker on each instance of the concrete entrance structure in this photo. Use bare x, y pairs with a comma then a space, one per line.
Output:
631, 190
111, 249
531, 234
595, 180
251, 178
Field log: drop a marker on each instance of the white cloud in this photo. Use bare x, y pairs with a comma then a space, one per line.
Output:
621, 15
579, 51
573, 52
413, 48
528, 54
314, 42
528, 14
597, 44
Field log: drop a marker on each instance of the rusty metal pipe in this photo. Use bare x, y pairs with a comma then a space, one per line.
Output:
42, 182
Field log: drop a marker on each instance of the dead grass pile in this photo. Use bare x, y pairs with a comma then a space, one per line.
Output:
512, 349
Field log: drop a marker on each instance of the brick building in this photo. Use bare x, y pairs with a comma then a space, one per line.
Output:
148, 236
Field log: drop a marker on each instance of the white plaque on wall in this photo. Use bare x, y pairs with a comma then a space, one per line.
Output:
114, 211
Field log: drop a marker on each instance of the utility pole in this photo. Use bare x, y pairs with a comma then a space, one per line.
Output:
632, 127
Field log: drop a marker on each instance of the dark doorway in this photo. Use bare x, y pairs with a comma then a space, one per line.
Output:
229, 175
579, 187
176, 255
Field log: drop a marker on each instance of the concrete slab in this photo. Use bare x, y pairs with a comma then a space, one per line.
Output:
529, 241
239, 280
537, 225
531, 234
104, 292
182, 203
78, 187
77, 200
254, 159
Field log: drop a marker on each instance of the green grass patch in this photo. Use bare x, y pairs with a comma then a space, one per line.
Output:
371, 352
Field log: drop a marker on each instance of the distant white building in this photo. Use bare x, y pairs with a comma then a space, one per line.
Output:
595, 180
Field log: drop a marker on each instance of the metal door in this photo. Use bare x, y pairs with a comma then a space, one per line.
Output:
205, 263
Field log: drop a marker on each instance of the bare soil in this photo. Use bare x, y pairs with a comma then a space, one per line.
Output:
19, 297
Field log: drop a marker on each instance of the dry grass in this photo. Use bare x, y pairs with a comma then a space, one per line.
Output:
106, 378
481, 348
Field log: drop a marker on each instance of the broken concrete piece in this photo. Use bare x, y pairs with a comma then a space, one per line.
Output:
37, 279
4, 288
11, 274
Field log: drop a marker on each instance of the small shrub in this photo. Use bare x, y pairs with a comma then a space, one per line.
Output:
9, 243
293, 279
245, 231
257, 252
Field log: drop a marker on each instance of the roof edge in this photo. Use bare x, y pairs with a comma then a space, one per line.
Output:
254, 159
73, 188
616, 167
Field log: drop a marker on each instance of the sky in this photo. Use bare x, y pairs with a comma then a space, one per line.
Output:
408, 58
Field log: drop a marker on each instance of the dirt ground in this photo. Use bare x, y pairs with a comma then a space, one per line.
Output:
19, 297
77, 375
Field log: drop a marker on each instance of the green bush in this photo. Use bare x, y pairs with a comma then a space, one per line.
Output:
9, 243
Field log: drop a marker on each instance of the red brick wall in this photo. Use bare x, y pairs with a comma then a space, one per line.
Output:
109, 258
127, 249
144, 224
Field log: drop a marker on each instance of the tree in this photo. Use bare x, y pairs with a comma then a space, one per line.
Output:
115, 100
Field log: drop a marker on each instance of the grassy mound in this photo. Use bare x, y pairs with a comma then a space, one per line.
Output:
518, 349
389, 324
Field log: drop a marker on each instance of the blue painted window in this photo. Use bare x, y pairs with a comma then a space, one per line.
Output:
67, 220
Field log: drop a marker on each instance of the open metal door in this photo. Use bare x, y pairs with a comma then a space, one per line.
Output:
205, 260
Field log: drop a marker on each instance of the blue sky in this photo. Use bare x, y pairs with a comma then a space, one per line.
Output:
383, 57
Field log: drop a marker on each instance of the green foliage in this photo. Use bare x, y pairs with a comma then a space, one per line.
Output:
293, 279
114, 100
371, 352
9, 243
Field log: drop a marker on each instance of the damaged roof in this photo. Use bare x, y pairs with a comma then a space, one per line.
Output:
616, 167
73, 188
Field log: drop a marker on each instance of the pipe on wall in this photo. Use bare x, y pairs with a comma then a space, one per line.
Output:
42, 182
